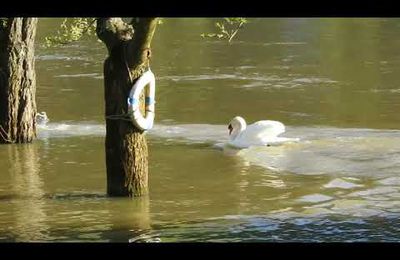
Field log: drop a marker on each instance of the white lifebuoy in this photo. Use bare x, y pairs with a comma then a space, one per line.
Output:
143, 123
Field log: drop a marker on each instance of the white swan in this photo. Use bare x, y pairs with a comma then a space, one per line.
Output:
260, 133
41, 118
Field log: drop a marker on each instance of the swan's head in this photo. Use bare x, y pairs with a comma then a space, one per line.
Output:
42, 118
43, 114
236, 125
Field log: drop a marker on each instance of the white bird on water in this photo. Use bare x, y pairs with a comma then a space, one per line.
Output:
261, 133
41, 118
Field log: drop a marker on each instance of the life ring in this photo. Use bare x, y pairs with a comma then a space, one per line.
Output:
143, 123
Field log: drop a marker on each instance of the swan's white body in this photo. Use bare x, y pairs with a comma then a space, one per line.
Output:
41, 118
260, 133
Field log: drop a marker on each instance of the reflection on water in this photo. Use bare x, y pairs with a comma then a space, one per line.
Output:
27, 187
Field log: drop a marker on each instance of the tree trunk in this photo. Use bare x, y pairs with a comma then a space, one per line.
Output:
126, 148
17, 80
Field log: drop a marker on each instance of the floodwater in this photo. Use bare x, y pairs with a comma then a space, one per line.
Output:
332, 82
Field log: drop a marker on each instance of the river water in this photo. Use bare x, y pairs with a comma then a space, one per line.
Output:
332, 82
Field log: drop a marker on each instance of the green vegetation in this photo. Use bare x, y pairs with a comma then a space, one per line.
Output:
72, 29
3, 22
227, 28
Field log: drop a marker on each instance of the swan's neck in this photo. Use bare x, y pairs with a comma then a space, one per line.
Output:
238, 130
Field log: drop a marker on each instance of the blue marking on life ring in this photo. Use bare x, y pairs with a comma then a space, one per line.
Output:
142, 122
131, 101
148, 100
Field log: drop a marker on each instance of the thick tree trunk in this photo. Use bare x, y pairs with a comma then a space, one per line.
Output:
17, 80
126, 147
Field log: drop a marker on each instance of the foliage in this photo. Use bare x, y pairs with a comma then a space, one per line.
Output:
227, 28
3, 22
72, 29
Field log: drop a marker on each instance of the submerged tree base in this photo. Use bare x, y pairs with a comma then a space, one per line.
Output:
17, 80
126, 147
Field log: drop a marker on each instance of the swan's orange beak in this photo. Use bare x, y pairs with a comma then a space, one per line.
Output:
230, 129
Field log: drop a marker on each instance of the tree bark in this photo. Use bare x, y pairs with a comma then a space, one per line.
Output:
126, 148
17, 80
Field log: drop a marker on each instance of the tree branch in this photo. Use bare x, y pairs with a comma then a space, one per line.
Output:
113, 30
138, 50
235, 31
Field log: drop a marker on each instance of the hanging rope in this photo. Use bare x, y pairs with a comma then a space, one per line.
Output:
127, 66
123, 116
134, 114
